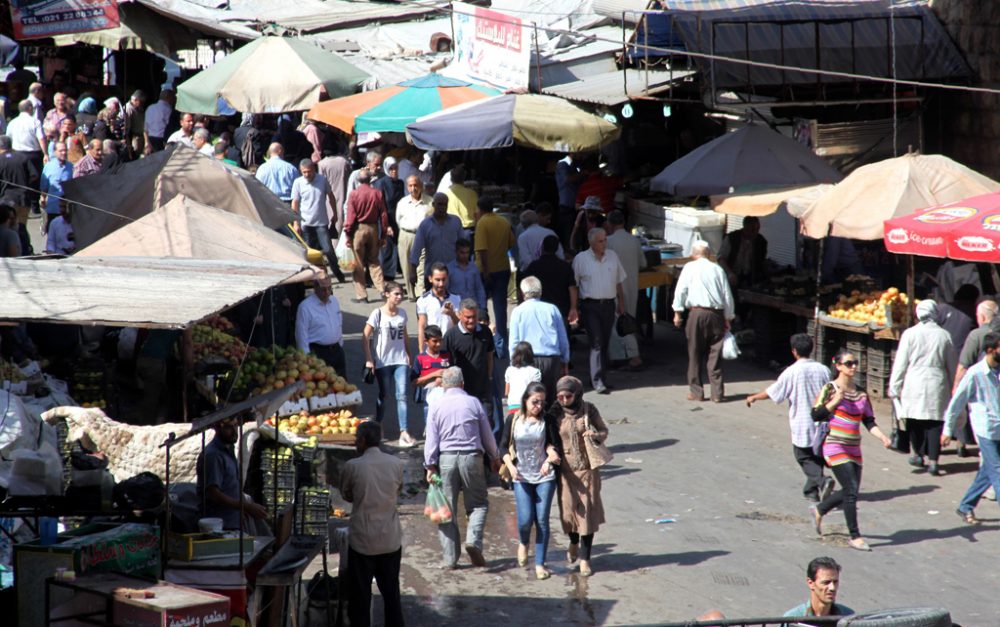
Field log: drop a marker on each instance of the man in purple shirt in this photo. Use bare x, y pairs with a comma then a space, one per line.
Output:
458, 433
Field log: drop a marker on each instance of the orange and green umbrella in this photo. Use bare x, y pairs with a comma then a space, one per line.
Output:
390, 109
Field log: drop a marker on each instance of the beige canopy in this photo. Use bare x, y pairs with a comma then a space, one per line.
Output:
127, 193
797, 200
857, 206
190, 229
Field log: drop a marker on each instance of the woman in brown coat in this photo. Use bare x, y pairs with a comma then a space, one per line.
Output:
580, 507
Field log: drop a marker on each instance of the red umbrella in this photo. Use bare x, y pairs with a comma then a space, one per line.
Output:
967, 230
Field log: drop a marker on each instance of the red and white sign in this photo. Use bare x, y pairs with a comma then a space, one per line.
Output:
968, 230
490, 46
33, 19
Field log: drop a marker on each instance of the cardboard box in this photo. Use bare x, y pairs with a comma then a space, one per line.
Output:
202, 546
172, 605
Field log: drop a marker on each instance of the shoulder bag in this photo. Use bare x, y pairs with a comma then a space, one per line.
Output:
822, 429
597, 452
368, 374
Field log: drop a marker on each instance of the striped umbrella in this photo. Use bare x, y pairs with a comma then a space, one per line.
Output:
390, 109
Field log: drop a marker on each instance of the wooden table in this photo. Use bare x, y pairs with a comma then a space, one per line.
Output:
750, 297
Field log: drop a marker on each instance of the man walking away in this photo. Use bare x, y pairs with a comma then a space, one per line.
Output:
458, 434
373, 483
365, 227
703, 290
800, 385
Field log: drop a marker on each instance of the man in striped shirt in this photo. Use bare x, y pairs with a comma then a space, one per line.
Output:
980, 390
800, 385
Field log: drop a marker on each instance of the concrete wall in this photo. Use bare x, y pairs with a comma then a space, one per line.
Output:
970, 122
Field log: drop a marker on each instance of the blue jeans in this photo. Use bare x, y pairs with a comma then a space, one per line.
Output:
499, 282
534, 501
386, 375
318, 237
989, 474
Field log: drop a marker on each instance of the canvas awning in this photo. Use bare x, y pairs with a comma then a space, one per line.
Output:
141, 29
133, 291
184, 228
134, 189
795, 199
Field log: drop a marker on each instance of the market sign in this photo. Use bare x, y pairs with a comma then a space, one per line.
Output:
33, 19
490, 46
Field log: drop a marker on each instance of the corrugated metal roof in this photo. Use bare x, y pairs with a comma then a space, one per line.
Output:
309, 16
592, 42
132, 291
609, 88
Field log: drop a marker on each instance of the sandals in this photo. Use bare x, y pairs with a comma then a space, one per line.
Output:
585, 570
968, 518
859, 544
522, 556
574, 550
817, 520
541, 573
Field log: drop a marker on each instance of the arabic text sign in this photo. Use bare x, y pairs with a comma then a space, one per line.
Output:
491, 46
46, 18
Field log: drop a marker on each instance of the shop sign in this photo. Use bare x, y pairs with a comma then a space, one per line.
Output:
46, 18
490, 46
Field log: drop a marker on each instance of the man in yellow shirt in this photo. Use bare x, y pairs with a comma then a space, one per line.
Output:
461, 200
494, 238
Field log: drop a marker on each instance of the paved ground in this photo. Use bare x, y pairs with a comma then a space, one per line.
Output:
742, 534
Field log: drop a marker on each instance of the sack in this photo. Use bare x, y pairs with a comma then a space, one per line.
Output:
730, 350
597, 452
436, 507
345, 256
819, 437
900, 438
626, 325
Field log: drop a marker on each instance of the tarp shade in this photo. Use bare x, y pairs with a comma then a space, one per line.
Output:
132, 291
140, 29
134, 189
188, 229
796, 201
841, 36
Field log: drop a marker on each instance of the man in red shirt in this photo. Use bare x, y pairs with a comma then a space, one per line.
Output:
365, 227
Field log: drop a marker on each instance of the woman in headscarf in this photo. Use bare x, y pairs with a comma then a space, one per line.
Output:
393, 191
86, 116
580, 508
921, 382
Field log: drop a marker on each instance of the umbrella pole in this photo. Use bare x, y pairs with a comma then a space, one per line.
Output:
909, 289
819, 283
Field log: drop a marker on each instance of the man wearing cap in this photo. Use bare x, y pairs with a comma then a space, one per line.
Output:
703, 290
599, 277
629, 251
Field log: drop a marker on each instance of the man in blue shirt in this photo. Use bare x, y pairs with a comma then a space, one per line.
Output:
980, 390
540, 324
217, 471
277, 174
436, 237
55, 172
823, 579
464, 278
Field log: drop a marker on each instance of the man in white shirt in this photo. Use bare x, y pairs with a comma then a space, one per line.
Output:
529, 243
629, 251
599, 277
319, 327
36, 96
437, 306
157, 118
410, 212
202, 142
703, 289
185, 134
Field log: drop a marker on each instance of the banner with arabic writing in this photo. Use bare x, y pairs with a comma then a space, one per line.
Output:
490, 46
46, 18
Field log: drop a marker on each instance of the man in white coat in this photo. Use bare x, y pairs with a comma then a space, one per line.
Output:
629, 251
920, 384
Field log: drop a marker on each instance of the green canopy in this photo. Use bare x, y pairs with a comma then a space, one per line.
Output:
269, 75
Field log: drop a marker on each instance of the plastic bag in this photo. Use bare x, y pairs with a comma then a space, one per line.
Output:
436, 508
345, 256
730, 350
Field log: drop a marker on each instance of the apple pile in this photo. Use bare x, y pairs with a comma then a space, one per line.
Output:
267, 370
326, 423
216, 337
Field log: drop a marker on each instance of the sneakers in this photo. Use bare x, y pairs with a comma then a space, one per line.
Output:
475, 555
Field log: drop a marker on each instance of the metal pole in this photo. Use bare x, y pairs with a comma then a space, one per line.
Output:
819, 284
538, 58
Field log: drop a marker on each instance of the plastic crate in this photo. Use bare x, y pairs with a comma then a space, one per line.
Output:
281, 496
283, 478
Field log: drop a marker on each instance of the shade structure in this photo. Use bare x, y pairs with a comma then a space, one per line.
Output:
796, 201
540, 122
134, 189
858, 206
390, 109
189, 229
968, 230
270, 75
753, 156
140, 28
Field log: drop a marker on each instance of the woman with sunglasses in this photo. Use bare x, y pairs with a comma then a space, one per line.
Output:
531, 440
580, 507
846, 408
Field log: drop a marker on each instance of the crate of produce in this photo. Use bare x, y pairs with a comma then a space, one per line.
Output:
191, 547
280, 496
280, 479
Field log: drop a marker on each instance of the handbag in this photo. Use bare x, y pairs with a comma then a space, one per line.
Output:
626, 325
368, 374
900, 438
822, 426
597, 452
